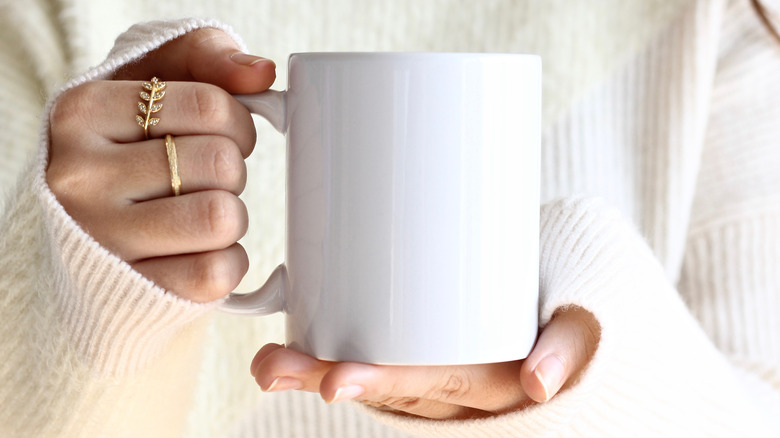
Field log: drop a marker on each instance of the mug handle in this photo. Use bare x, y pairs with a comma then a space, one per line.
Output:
269, 298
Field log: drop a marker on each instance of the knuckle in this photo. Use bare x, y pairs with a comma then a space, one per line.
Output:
225, 217
455, 387
64, 184
212, 274
73, 183
71, 107
227, 165
208, 106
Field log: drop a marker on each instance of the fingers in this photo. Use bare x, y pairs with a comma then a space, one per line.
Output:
199, 277
443, 392
104, 196
205, 55
485, 387
193, 223
276, 368
117, 186
205, 162
107, 110
432, 392
564, 348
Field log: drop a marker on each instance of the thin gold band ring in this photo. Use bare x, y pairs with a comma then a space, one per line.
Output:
173, 164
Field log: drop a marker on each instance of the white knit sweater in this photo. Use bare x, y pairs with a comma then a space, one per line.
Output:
661, 181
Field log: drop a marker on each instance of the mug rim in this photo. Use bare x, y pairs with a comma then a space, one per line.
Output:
335, 55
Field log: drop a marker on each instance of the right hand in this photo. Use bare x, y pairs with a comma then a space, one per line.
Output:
117, 185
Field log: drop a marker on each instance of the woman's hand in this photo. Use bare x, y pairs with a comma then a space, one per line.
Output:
562, 351
117, 185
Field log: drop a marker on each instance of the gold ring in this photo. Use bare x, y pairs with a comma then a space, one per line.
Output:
173, 164
153, 93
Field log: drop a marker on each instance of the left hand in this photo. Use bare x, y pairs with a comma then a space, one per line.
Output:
562, 351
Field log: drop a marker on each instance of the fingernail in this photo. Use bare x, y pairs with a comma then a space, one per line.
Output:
284, 384
347, 393
246, 59
550, 373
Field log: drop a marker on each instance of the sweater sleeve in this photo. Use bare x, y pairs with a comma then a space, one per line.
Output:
655, 372
88, 344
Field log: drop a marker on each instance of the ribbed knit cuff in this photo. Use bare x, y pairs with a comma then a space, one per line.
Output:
581, 246
117, 320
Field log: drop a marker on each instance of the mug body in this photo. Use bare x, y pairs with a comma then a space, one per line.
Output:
413, 206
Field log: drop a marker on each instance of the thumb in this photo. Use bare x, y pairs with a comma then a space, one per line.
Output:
204, 55
564, 348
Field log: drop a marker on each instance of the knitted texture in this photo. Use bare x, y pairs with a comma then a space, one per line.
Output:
661, 217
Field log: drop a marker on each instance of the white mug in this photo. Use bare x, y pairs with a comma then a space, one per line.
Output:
412, 207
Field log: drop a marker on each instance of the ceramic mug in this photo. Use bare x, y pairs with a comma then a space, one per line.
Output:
412, 207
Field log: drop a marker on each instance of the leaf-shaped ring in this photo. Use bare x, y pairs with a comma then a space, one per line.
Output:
153, 94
